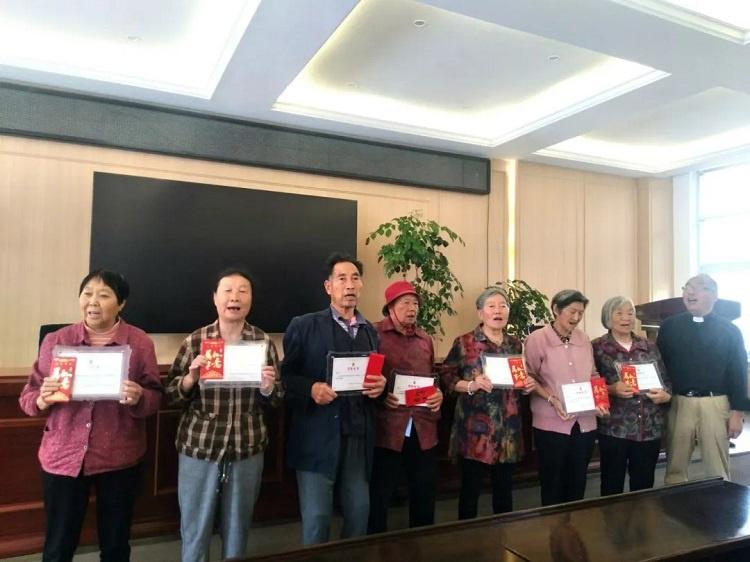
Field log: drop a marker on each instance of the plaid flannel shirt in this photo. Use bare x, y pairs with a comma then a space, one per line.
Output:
220, 423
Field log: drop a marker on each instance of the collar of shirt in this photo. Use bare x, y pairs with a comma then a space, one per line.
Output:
120, 337
577, 337
358, 318
213, 331
386, 325
639, 343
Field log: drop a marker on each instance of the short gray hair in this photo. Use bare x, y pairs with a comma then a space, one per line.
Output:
704, 281
490, 292
610, 306
566, 297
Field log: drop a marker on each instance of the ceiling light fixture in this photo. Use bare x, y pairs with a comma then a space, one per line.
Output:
553, 58
419, 23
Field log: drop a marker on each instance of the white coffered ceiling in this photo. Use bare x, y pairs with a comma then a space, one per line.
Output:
633, 86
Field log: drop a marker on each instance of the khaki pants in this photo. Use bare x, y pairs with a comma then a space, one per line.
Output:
703, 419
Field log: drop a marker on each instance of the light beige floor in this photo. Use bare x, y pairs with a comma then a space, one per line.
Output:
273, 538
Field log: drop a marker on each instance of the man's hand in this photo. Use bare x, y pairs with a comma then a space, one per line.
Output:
374, 386
734, 425
322, 394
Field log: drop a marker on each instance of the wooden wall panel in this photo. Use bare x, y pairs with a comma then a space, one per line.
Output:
45, 196
610, 244
550, 227
578, 230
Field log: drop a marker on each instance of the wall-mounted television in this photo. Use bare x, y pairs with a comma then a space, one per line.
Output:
170, 239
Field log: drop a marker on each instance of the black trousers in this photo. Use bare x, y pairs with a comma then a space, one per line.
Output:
637, 458
421, 475
472, 475
563, 462
65, 502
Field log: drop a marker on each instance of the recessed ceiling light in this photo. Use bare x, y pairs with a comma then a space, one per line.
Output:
553, 58
419, 23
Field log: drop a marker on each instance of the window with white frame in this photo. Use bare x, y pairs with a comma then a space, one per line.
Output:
723, 235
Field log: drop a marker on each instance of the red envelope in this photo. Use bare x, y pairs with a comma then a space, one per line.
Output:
415, 396
601, 395
63, 369
374, 364
629, 377
517, 371
213, 351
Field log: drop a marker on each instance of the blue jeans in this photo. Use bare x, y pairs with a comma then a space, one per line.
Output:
316, 495
200, 489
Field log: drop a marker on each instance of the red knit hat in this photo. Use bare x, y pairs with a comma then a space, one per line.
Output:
398, 289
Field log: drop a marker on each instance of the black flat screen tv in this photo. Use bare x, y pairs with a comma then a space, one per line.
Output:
170, 239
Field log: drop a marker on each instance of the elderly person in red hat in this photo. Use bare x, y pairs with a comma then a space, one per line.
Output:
406, 437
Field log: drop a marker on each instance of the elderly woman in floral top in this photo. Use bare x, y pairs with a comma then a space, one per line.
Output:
486, 431
630, 439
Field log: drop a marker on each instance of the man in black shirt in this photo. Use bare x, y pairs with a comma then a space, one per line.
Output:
707, 364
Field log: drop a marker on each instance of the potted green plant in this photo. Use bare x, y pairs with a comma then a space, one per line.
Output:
416, 251
529, 307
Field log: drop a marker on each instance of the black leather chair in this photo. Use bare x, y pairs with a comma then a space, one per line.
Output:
45, 329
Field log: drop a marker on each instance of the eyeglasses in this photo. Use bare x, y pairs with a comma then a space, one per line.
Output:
688, 288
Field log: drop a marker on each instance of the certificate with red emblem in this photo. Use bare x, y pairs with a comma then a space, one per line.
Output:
99, 371
584, 397
577, 397
62, 369
505, 371
641, 375
413, 390
241, 364
347, 370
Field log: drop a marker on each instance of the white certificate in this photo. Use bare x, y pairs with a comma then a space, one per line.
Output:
346, 371
497, 368
402, 383
647, 376
100, 371
578, 397
242, 364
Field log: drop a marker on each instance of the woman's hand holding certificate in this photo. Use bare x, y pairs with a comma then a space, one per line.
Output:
100, 372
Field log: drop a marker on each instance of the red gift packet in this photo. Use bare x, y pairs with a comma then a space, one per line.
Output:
63, 369
517, 371
629, 377
416, 396
213, 351
374, 365
601, 395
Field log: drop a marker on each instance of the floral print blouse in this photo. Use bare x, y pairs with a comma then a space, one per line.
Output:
486, 426
636, 418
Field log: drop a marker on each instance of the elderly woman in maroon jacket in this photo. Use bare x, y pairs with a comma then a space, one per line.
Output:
89, 443
406, 437
630, 438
